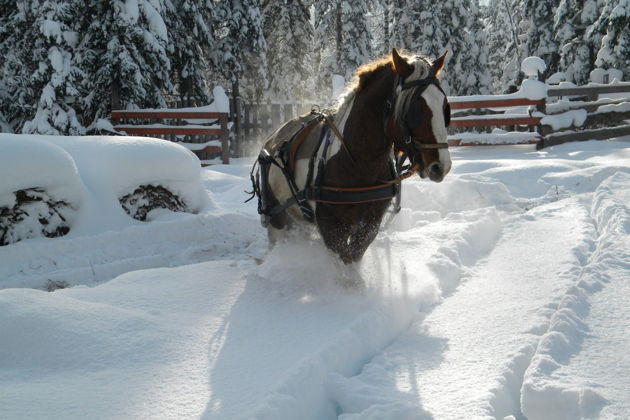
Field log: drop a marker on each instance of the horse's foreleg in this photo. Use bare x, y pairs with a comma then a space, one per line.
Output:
360, 240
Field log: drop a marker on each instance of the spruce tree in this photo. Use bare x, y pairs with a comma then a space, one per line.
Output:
241, 45
16, 38
344, 36
614, 51
504, 57
430, 28
355, 47
577, 54
124, 53
289, 33
55, 78
540, 41
191, 46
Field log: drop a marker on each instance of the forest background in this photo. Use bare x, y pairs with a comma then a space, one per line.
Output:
65, 63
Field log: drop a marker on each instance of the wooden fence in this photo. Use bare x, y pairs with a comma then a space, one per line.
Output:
473, 117
204, 133
604, 119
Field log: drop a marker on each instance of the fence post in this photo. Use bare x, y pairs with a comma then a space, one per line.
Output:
225, 144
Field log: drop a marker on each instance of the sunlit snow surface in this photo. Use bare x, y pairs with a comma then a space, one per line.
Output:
503, 291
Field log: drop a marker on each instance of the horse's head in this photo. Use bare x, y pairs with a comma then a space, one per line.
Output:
420, 115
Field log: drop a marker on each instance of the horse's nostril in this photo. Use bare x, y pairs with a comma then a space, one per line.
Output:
435, 168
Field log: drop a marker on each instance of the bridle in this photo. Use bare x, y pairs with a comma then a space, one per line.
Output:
408, 119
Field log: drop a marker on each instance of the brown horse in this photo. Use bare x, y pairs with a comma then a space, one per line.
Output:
336, 169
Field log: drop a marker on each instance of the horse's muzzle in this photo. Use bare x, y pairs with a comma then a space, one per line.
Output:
435, 172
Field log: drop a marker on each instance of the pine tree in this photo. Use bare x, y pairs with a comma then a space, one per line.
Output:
124, 53
55, 79
16, 36
191, 46
241, 45
577, 54
501, 44
344, 37
430, 28
615, 45
540, 41
355, 47
289, 33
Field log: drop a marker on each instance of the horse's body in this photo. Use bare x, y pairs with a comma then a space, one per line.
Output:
373, 121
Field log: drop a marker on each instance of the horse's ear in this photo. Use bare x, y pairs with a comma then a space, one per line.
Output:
401, 66
438, 64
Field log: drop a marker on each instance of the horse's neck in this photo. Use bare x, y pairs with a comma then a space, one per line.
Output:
364, 128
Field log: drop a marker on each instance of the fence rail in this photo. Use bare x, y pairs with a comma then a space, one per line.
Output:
252, 122
178, 123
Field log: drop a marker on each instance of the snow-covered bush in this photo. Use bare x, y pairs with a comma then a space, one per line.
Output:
34, 214
40, 191
52, 184
134, 175
148, 197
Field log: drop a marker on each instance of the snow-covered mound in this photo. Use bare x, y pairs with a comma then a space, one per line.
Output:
106, 178
40, 189
113, 166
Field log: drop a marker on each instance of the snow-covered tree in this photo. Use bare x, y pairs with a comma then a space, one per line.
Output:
289, 34
344, 36
191, 46
124, 52
577, 54
39, 81
355, 46
614, 51
430, 28
55, 79
15, 36
241, 45
502, 45
539, 37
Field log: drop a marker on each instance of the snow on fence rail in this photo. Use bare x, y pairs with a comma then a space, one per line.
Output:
597, 119
528, 117
189, 123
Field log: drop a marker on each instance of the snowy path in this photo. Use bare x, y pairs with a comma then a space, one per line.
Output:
481, 337
504, 294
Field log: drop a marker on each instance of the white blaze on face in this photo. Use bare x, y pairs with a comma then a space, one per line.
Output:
435, 101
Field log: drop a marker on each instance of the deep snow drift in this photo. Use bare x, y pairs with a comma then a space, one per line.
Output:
500, 293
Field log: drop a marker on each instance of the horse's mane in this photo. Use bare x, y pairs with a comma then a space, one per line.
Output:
367, 72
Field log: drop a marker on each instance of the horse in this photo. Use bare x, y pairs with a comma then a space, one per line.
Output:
341, 169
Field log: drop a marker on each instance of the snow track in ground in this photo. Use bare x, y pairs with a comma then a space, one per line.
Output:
501, 292
481, 337
577, 366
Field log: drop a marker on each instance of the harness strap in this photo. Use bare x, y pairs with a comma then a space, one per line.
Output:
337, 195
335, 130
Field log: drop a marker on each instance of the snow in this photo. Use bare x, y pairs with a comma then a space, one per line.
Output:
530, 89
496, 137
27, 162
499, 293
338, 86
622, 107
568, 119
96, 171
531, 66
597, 75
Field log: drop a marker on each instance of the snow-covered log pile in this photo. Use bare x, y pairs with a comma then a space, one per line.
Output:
47, 183
40, 190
